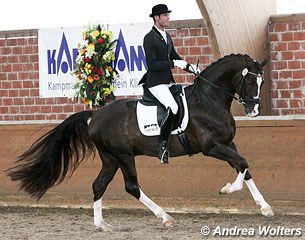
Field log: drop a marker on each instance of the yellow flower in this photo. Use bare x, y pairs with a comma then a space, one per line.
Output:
88, 68
82, 51
109, 56
95, 33
90, 49
106, 33
107, 91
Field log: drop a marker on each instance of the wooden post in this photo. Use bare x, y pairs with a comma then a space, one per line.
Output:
240, 26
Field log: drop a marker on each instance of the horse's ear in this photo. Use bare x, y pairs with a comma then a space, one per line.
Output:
265, 61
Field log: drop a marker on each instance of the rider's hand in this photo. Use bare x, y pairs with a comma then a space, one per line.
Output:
193, 68
180, 63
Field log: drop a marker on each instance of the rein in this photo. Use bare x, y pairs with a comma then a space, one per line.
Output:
240, 100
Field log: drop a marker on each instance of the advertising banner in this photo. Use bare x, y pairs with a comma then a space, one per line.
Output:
58, 51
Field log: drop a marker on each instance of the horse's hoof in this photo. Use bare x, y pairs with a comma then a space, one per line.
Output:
268, 212
168, 223
225, 189
105, 227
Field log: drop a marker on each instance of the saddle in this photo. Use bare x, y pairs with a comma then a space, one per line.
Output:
149, 100
150, 113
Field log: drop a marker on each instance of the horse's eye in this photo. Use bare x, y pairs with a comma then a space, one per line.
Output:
251, 81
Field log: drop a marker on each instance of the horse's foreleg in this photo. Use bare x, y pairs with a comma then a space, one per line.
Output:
236, 185
158, 211
266, 209
229, 154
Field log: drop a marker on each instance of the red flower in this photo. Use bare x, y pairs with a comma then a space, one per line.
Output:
94, 69
100, 41
96, 77
100, 72
87, 60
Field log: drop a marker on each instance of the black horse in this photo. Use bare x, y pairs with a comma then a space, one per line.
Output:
113, 131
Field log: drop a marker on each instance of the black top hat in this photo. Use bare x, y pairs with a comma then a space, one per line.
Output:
159, 9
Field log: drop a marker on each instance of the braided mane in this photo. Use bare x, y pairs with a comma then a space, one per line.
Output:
227, 58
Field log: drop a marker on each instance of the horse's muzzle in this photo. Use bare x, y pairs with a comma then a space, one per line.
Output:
252, 111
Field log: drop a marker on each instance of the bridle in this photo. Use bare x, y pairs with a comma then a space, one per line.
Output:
239, 85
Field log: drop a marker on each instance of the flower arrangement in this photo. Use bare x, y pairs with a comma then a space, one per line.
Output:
94, 73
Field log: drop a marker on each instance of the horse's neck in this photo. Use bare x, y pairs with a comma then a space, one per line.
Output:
216, 87
223, 75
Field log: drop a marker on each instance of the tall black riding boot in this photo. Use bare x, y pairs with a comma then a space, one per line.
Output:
165, 133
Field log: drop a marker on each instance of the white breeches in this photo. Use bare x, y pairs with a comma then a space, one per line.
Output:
163, 94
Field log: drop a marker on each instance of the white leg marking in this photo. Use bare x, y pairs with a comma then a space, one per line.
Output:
97, 208
259, 199
158, 211
236, 185
99, 222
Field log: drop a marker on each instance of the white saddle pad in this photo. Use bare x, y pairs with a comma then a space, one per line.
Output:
148, 122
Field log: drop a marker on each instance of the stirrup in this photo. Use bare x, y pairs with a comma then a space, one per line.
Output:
163, 153
165, 157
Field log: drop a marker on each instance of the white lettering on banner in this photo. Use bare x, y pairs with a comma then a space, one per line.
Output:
58, 51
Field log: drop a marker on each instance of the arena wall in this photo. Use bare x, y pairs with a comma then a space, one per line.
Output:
273, 147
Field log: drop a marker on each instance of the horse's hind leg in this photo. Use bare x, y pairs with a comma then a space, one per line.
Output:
157, 210
99, 186
132, 187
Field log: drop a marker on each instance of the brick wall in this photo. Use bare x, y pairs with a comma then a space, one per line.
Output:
19, 84
19, 76
287, 51
192, 43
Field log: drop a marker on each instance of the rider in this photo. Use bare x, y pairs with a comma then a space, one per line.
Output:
161, 57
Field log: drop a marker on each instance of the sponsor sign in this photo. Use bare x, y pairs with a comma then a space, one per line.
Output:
58, 51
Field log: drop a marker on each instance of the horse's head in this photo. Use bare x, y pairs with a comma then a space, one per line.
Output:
248, 85
235, 73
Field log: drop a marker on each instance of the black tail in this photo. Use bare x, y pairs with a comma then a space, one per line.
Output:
59, 152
